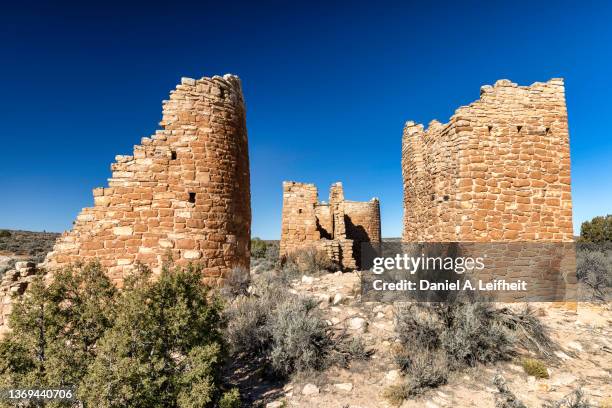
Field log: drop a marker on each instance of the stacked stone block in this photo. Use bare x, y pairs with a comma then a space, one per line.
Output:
338, 228
14, 283
499, 170
183, 193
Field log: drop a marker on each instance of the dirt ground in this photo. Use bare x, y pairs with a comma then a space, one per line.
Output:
584, 359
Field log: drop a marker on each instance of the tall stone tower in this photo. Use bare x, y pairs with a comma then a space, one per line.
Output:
183, 193
499, 170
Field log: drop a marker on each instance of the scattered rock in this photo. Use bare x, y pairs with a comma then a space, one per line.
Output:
337, 299
575, 345
562, 355
275, 404
348, 387
358, 323
308, 280
392, 375
310, 389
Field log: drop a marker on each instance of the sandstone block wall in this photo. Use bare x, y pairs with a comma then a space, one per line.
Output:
13, 283
338, 227
499, 170
183, 192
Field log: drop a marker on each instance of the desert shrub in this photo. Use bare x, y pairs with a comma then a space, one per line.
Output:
598, 230
606, 403
285, 331
528, 330
594, 270
575, 399
56, 329
441, 337
230, 399
310, 261
236, 282
468, 332
425, 369
272, 251
504, 397
348, 348
165, 347
535, 367
301, 340
155, 343
396, 393
258, 248
248, 328
5, 233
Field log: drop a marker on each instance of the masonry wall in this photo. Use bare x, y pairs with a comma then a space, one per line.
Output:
337, 228
362, 220
499, 170
299, 227
183, 192
13, 283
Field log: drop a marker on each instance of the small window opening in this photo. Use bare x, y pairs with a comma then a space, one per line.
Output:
192, 197
490, 128
446, 198
173, 155
547, 130
518, 128
299, 211
433, 197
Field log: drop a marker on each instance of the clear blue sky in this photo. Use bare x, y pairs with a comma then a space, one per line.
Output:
328, 88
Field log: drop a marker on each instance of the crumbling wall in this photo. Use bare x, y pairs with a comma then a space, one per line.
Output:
337, 228
13, 283
183, 193
499, 170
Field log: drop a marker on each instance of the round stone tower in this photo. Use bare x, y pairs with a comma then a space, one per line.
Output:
184, 193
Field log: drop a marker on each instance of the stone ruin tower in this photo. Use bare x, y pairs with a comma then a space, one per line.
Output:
499, 170
495, 180
184, 192
337, 228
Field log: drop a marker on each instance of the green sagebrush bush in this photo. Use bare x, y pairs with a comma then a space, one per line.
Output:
258, 248
594, 270
535, 367
286, 331
437, 338
309, 261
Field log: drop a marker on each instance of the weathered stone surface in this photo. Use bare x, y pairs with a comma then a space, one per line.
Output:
337, 228
310, 389
184, 192
346, 387
499, 170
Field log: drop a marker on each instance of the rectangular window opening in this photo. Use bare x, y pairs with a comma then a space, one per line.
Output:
192, 198
173, 155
